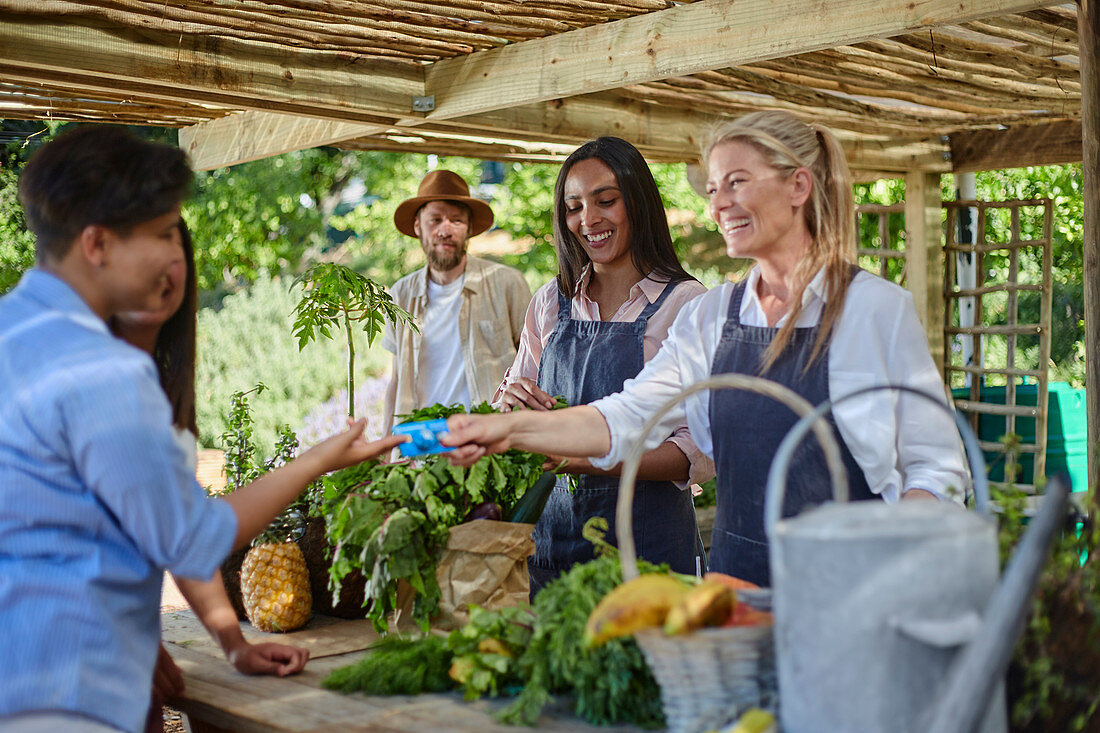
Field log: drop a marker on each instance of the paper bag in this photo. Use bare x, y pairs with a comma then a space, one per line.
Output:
483, 564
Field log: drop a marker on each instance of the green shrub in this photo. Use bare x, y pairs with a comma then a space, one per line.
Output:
1054, 679
16, 243
248, 340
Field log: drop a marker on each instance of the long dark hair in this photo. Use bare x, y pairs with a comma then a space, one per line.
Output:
174, 352
650, 245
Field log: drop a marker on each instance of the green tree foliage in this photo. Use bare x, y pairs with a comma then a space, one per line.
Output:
267, 215
16, 243
1062, 183
249, 340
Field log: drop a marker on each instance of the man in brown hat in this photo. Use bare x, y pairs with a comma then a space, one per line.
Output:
470, 311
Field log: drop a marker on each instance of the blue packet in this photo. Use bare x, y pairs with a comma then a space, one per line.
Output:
423, 437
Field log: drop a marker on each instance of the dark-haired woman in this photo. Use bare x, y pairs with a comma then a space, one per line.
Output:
618, 289
168, 335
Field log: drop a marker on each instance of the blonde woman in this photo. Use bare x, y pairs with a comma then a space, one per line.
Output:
806, 317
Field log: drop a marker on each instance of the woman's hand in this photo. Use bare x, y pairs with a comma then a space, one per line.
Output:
279, 660
525, 392
350, 447
473, 436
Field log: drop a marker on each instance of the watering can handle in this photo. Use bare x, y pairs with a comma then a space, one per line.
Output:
777, 474
624, 528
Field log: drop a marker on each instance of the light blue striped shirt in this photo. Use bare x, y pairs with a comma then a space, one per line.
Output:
95, 502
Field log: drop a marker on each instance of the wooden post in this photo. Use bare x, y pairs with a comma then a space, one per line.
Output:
924, 255
1088, 36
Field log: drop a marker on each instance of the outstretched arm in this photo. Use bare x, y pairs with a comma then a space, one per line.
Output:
666, 462
574, 431
258, 503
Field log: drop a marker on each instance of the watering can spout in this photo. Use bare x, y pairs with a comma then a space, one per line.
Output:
982, 664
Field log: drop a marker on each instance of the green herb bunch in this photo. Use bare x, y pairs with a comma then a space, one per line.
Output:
397, 665
609, 684
536, 651
487, 651
481, 657
391, 520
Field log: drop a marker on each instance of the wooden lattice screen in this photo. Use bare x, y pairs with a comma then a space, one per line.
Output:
1010, 339
881, 245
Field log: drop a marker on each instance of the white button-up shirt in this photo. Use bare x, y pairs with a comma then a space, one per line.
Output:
900, 441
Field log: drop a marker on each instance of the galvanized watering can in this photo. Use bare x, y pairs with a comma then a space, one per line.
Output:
889, 617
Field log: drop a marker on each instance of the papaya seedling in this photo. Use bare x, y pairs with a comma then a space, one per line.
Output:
335, 296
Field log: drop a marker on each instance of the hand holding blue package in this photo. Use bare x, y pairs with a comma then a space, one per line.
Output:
423, 437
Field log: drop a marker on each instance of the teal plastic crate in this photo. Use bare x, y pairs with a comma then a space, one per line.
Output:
1066, 431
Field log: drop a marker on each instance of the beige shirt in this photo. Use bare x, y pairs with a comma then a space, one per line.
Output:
542, 318
490, 321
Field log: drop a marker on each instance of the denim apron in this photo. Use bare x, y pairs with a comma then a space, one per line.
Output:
744, 446
584, 361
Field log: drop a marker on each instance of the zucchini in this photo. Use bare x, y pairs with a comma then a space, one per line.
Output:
528, 508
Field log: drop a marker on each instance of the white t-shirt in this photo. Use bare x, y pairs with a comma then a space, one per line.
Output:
442, 361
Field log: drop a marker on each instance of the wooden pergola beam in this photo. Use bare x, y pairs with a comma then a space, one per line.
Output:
1017, 146
701, 36
197, 68
1088, 34
249, 136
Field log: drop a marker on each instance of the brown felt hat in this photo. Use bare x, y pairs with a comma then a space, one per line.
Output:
441, 185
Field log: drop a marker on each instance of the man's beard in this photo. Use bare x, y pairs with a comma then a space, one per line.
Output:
444, 261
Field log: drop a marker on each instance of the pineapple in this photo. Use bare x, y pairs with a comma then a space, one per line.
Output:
275, 586
274, 580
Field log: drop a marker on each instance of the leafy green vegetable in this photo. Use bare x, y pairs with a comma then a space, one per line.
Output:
610, 684
540, 649
391, 520
397, 666
487, 650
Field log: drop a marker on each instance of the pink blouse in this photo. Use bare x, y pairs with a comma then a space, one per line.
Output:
542, 316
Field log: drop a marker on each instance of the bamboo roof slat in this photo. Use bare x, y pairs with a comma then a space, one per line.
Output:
973, 56
357, 14
891, 98
1049, 44
184, 24
852, 60
822, 81
886, 83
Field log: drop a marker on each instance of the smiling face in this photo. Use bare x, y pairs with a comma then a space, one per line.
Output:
170, 299
595, 212
145, 268
757, 209
443, 227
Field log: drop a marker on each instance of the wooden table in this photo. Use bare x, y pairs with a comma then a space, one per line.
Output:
219, 698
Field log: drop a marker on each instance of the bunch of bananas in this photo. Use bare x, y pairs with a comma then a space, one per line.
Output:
660, 600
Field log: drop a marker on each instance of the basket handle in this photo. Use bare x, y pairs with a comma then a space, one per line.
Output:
624, 524
777, 474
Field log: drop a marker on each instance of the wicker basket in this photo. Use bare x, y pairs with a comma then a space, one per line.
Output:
709, 677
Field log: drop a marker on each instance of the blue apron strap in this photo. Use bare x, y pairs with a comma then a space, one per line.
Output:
655, 306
